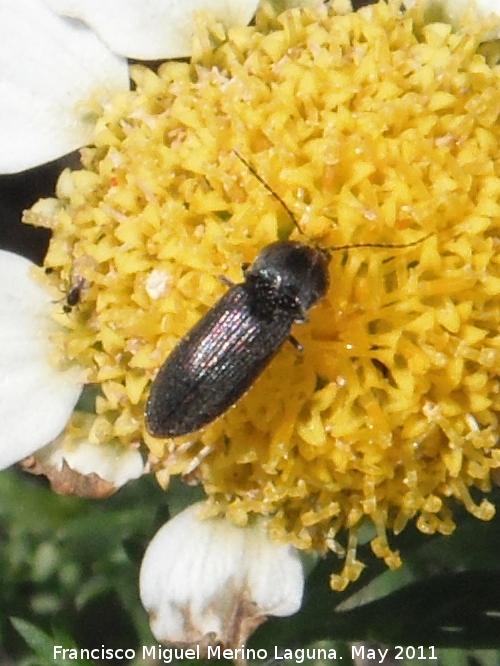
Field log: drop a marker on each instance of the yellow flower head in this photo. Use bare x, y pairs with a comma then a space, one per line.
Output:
373, 127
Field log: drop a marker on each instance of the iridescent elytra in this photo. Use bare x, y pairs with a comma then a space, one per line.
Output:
218, 360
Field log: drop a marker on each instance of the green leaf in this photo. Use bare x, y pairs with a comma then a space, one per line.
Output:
43, 645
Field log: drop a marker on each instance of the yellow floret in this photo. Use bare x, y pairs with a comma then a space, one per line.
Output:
373, 128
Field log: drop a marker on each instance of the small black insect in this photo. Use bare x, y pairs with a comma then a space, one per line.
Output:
221, 356
73, 294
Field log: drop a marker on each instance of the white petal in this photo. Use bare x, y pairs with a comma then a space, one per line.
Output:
152, 29
36, 400
453, 10
111, 463
48, 66
202, 577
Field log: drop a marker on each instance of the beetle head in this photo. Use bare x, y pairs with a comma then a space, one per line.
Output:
294, 272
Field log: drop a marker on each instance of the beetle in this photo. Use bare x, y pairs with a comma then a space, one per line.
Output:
218, 360
222, 355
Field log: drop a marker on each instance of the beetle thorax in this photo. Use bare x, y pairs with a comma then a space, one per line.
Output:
288, 276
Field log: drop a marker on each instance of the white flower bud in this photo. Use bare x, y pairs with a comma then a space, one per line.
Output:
209, 582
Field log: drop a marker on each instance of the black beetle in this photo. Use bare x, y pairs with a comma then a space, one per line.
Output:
218, 360
223, 354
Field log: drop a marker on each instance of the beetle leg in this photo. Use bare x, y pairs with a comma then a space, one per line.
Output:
296, 343
225, 280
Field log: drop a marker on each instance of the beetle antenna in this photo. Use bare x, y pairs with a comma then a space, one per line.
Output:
333, 248
268, 188
336, 248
